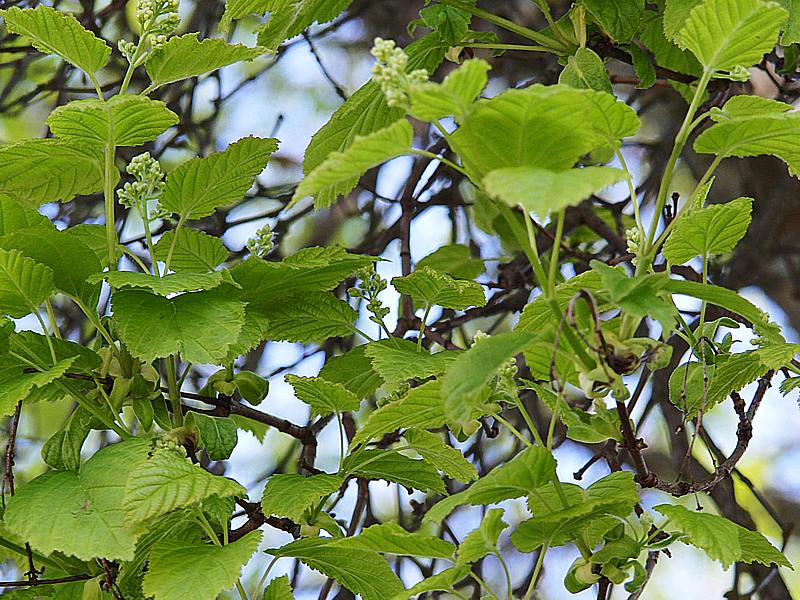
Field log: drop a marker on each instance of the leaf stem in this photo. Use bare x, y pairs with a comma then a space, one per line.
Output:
441, 159
554, 252
174, 393
536, 570
109, 202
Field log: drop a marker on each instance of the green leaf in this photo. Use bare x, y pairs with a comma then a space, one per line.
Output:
455, 260
620, 19
666, 53
49, 170
791, 29
15, 216
582, 426
703, 232
756, 548
183, 570
725, 34
16, 384
538, 315
236, 9
363, 572
201, 185
289, 495
391, 538
251, 387
397, 360
218, 435
127, 120
483, 540
530, 469
354, 371
201, 326
63, 450
585, 70
186, 56
391, 466
278, 589
543, 192
24, 284
55, 32
94, 236
741, 369
289, 18
438, 454
324, 397
716, 536
442, 581
363, 153
428, 288
71, 261
192, 251
454, 96
688, 388
165, 482
643, 67
167, 285
87, 521
309, 317
450, 23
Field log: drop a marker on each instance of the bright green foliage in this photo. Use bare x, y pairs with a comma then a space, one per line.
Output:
483, 540
289, 495
391, 466
288, 18
165, 481
454, 96
454, 260
324, 397
168, 577
620, 19
201, 185
192, 250
363, 153
187, 56
585, 70
437, 453
442, 581
14, 216
218, 435
432, 288
391, 538
24, 283
162, 286
124, 120
396, 360
55, 32
16, 384
309, 317
278, 589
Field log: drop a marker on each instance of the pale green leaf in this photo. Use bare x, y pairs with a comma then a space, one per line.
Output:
363, 153
278, 589
289, 495
483, 540
744, 368
192, 250
183, 570
127, 120
289, 18
538, 315
450, 23
24, 284
620, 19
186, 56
16, 384
455, 260
585, 70
201, 185
447, 459
582, 426
309, 317
391, 466
354, 371
165, 482
454, 96
428, 288
236, 9
708, 231
218, 435
54, 32
743, 106
397, 360
756, 548
324, 397
716, 536
391, 538
15, 216
201, 326
172, 283
442, 581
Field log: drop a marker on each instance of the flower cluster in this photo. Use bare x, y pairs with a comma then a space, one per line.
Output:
158, 18
370, 287
633, 237
390, 72
262, 243
148, 182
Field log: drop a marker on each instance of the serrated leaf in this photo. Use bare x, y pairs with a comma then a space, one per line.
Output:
397, 360
201, 326
165, 482
167, 285
192, 250
450, 23
201, 185
455, 260
289, 495
236, 9
49, 170
483, 540
363, 153
324, 397
186, 56
582, 426
445, 458
278, 589
530, 469
741, 369
708, 231
361, 571
174, 565
620, 19
127, 120
354, 371
586, 71
309, 317
391, 466
666, 53
538, 315
716, 536
725, 34
87, 521
544, 192
218, 435
55, 32
16, 384
454, 96
289, 18
24, 284
14, 216
756, 548
391, 538
63, 450
432, 288
442, 581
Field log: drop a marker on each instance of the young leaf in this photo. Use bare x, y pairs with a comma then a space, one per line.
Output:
756, 548
455, 260
201, 185
391, 466
308, 317
586, 71
24, 284
363, 572
63, 450
703, 232
186, 56
397, 360
127, 120
54, 32
192, 250
289, 495
289, 18
445, 458
16, 384
183, 570
454, 96
543, 192
218, 435
278, 589
165, 481
442, 581
354, 371
162, 286
15, 216
391, 538
363, 153
530, 469
450, 23
716, 536
725, 34
428, 288
741, 369
483, 540
620, 19
324, 397
201, 326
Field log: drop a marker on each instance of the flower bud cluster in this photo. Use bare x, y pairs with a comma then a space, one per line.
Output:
370, 287
168, 443
158, 17
634, 242
390, 73
263, 242
148, 181
127, 49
